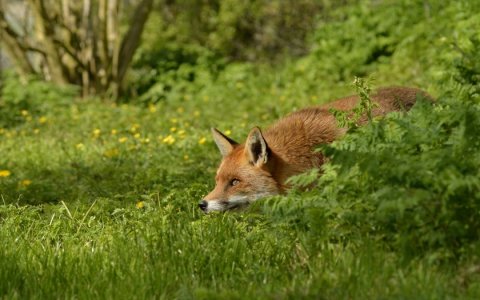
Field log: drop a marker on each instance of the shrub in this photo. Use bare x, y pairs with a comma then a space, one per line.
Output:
408, 181
21, 100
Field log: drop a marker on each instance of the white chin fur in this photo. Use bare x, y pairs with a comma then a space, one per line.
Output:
235, 202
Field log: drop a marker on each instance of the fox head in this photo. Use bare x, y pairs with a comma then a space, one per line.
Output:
244, 174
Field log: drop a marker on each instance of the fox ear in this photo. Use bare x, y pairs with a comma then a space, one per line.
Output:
256, 147
224, 143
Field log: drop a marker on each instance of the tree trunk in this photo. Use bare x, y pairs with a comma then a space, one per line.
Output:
132, 38
79, 42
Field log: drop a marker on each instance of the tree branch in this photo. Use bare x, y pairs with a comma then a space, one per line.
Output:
132, 38
71, 53
45, 35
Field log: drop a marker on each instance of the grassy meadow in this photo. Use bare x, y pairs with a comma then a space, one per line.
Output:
98, 197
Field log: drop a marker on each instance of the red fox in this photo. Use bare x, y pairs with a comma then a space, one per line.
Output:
261, 166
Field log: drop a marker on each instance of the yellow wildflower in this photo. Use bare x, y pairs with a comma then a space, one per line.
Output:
25, 182
228, 132
152, 108
146, 141
96, 133
113, 132
5, 173
2, 130
36, 130
80, 146
123, 139
169, 139
111, 153
186, 157
174, 120
181, 133
180, 110
202, 140
134, 127
196, 113
173, 129
136, 135
42, 120
24, 112
140, 204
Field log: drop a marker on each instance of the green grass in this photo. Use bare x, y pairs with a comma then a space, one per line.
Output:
100, 199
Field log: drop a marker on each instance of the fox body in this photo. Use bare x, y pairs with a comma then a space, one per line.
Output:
262, 164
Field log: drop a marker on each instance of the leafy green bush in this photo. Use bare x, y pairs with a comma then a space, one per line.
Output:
410, 181
243, 30
162, 70
19, 101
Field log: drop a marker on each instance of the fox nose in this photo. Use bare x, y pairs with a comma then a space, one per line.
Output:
203, 205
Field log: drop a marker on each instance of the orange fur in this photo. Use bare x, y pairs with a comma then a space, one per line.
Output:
262, 164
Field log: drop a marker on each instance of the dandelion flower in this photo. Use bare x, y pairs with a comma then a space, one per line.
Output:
25, 182
181, 133
173, 129
24, 112
169, 139
42, 120
96, 133
152, 108
228, 132
5, 173
111, 153
140, 204
134, 127
136, 135
80, 146
202, 140
123, 139
186, 157
113, 132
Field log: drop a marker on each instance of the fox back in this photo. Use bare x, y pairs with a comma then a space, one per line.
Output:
261, 165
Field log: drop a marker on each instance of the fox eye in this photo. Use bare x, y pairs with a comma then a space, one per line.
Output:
234, 182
